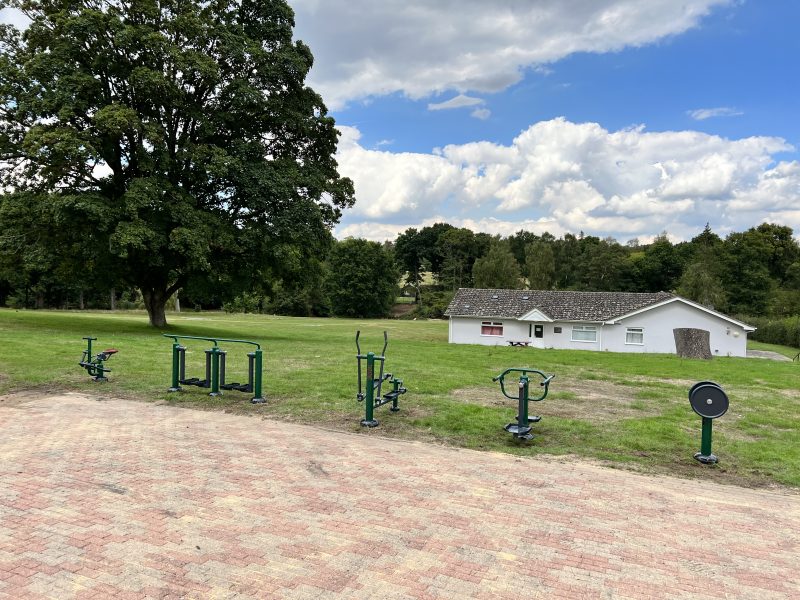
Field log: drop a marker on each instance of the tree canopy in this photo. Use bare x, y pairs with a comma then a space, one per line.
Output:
180, 133
362, 279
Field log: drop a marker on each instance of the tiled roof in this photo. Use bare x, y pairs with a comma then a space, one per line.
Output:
557, 305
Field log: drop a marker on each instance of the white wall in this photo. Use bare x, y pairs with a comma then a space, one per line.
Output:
467, 330
726, 338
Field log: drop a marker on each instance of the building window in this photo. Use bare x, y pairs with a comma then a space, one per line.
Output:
584, 333
634, 335
556, 329
538, 331
491, 328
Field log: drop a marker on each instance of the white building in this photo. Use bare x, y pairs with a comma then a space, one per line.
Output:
615, 321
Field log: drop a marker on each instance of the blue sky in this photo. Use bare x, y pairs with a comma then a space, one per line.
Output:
621, 118
615, 117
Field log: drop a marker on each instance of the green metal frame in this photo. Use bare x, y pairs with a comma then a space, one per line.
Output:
215, 355
94, 364
371, 396
522, 429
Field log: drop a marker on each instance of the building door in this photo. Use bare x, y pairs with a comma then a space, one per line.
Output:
538, 336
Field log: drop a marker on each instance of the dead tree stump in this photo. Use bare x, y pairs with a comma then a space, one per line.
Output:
692, 343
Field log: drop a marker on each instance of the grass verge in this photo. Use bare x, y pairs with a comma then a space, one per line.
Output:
619, 409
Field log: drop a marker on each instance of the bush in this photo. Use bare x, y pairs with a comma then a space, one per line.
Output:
247, 302
432, 305
785, 332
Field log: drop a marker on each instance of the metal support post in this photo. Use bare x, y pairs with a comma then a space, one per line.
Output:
215, 351
396, 385
176, 368
522, 418
222, 355
369, 420
254, 376
705, 456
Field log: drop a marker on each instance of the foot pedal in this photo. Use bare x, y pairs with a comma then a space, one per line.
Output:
534, 419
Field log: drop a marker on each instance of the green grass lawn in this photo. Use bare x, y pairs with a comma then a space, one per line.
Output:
624, 410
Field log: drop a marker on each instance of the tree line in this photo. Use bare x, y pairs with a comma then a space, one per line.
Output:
156, 152
754, 272
751, 273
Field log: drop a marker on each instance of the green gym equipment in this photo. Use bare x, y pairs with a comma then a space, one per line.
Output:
215, 368
94, 364
521, 430
708, 400
371, 394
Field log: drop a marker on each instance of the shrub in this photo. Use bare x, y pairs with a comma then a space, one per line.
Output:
785, 332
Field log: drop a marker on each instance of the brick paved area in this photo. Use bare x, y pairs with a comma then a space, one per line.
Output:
118, 499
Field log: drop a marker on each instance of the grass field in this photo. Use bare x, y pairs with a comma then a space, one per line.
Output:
619, 409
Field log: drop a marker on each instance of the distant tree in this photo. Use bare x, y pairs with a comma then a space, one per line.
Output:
783, 248
182, 132
567, 255
498, 269
427, 241
659, 268
540, 265
410, 257
747, 275
701, 284
459, 248
362, 279
519, 243
605, 265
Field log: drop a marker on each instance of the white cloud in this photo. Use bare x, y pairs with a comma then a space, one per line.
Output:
700, 114
481, 113
566, 176
459, 101
364, 48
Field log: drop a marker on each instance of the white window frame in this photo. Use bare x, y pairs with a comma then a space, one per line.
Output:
492, 324
584, 329
636, 331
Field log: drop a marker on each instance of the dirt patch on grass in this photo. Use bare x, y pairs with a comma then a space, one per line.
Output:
18, 399
592, 400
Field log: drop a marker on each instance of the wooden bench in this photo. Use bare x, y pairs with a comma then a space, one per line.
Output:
512, 343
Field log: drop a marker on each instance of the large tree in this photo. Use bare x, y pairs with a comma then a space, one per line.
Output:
362, 279
181, 130
497, 269
540, 265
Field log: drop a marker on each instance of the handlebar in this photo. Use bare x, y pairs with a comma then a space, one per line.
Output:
545, 383
377, 356
208, 339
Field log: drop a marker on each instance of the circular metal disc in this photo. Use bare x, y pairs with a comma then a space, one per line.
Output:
708, 400
698, 384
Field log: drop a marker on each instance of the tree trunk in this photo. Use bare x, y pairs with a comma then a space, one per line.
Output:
113, 299
178, 304
692, 343
155, 301
81, 304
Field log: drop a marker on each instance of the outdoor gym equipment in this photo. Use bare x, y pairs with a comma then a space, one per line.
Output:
215, 368
94, 365
372, 385
710, 402
522, 428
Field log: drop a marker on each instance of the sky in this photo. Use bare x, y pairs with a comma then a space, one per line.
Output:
620, 118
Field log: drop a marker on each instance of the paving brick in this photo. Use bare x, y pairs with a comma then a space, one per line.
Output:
120, 499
